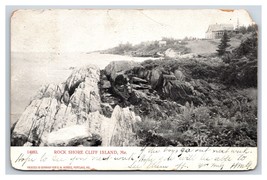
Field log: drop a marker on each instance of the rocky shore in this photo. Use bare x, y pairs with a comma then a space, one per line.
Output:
125, 104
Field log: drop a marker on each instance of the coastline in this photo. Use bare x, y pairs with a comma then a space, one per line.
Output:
30, 71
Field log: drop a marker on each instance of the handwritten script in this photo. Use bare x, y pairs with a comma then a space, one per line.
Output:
134, 158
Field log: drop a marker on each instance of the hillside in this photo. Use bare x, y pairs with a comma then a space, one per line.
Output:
173, 48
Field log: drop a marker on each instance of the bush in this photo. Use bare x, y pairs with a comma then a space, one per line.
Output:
196, 126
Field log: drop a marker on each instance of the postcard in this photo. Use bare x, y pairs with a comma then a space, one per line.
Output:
133, 89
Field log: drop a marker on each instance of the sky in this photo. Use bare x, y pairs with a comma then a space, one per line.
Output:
90, 30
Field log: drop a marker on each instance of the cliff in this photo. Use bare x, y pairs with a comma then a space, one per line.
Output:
71, 114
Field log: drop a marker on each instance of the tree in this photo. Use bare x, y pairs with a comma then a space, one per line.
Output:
243, 67
242, 29
224, 44
248, 47
252, 28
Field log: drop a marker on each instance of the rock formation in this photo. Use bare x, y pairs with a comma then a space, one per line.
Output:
104, 108
72, 114
119, 66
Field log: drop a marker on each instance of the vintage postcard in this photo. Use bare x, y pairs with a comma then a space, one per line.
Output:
133, 89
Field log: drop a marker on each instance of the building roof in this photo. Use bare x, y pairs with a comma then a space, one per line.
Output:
220, 27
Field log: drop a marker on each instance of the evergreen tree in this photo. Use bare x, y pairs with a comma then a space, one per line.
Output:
242, 29
224, 44
252, 28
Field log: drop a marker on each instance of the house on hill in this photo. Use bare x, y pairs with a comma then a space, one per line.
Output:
216, 31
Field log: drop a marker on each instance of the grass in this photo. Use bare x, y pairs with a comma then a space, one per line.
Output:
196, 127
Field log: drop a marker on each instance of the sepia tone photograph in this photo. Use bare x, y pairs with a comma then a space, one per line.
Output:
134, 78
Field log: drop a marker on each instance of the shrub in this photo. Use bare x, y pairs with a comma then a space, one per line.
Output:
195, 126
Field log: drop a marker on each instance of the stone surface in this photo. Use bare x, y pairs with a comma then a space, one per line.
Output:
155, 75
82, 120
138, 80
179, 75
68, 136
118, 130
83, 89
119, 66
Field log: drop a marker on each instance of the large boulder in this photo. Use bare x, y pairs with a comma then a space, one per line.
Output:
75, 135
150, 76
154, 78
118, 130
119, 66
179, 75
169, 87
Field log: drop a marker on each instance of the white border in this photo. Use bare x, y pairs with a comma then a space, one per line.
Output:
3, 3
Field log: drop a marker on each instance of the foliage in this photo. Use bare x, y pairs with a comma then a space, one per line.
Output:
248, 47
196, 126
229, 119
150, 49
222, 47
242, 29
249, 29
242, 65
241, 72
122, 48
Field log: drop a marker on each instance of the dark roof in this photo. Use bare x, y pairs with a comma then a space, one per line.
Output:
220, 27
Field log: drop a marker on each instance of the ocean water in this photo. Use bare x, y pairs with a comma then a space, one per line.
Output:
29, 71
